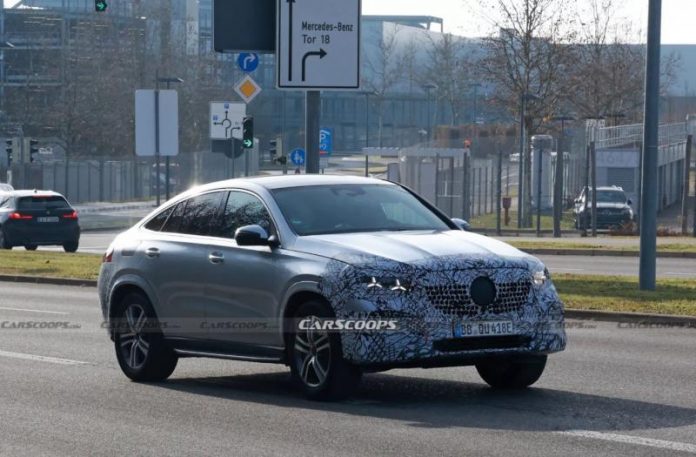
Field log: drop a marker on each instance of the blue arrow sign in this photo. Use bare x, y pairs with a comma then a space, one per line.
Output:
248, 62
326, 142
297, 157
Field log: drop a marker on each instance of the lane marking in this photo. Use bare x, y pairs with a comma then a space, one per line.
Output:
41, 358
2, 308
629, 439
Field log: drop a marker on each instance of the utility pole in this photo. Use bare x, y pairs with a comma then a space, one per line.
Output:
687, 180
593, 171
648, 213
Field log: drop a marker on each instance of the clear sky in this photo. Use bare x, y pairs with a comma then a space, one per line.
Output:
678, 16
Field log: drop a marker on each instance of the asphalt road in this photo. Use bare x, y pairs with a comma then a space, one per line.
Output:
615, 391
98, 242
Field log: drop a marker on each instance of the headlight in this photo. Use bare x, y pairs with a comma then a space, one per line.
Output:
540, 277
387, 282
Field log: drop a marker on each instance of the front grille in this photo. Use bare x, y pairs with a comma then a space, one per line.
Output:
455, 300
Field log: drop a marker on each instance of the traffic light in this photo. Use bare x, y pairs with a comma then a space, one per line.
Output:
274, 148
33, 150
9, 149
248, 133
100, 6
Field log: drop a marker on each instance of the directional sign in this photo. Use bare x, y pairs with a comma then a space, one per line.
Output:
247, 89
248, 62
147, 103
226, 120
318, 44
297, 157
325, 142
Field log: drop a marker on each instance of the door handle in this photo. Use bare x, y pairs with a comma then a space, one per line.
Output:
152, 253
216, 258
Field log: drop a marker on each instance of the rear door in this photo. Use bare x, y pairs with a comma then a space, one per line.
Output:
175, 261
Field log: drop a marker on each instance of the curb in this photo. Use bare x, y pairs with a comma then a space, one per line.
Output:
606, 253
634, 318
51, 281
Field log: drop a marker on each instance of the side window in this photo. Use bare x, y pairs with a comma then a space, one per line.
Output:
243, 209
201, 214
158, 221
174, 222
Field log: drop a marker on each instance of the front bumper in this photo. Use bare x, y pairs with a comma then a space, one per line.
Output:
426, 335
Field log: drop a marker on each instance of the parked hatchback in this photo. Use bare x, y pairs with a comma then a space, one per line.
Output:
33, 218
613, 208
333, 276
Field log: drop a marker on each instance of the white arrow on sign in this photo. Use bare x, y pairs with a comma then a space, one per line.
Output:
226, 120
318, 44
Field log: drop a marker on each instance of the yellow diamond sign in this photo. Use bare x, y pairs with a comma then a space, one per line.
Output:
247, 89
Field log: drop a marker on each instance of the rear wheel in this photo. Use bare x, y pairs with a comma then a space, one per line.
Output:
31, 247
4, 244
512, 372
316, 357
142, 353
71, 247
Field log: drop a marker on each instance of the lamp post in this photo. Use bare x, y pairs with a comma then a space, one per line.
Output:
168, 81
428, 88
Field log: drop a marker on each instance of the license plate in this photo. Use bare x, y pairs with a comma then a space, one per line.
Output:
487, 328
46, 219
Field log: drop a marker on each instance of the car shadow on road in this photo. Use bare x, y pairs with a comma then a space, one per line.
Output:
433, 403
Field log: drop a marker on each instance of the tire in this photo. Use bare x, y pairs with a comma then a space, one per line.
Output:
512, 373
71, 247
316, 358
4, 244
31, 247
140, 348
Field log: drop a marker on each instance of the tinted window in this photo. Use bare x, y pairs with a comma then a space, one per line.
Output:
318, 210
200, 216
42, 203
243, 209
174, 222
158, 221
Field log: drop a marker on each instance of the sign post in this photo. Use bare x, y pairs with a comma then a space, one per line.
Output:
318, 48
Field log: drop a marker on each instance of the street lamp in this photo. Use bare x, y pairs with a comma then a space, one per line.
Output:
168, 81
428, 88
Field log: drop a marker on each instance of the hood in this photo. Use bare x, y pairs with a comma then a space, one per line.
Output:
410, 247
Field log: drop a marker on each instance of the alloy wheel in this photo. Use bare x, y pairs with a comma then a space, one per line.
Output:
134, 341
313, 354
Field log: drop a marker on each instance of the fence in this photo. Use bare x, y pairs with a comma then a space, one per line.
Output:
91, 180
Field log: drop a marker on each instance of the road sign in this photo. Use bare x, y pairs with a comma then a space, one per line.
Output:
248, 62
247, 89
318, 44
297, 157
226, 120
145, 127
244, 25
326, 142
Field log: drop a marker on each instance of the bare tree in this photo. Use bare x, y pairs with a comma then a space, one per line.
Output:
451, 70
526, 60
386, 66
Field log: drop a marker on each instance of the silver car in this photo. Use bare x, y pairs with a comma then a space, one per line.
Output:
333, 276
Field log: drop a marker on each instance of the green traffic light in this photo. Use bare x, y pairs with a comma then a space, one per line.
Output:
247, 143
101, 6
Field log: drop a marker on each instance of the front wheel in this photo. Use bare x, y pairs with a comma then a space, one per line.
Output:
513, 372
316, 357
141, 350
31, 247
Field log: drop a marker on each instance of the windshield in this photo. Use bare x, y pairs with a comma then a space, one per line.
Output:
321, 210
609, 196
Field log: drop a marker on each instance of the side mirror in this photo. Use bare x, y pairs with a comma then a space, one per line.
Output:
629, 202
462, 224
253, 235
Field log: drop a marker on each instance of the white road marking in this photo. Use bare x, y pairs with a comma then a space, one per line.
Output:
2, 308
630, 439
41, 358
674, 273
